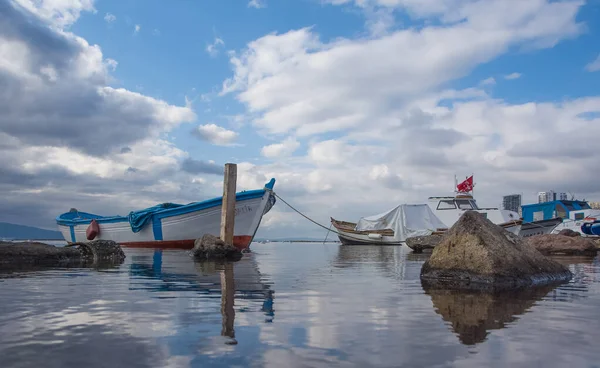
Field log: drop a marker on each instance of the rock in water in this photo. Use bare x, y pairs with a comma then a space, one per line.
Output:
100, 251
29, 254
476, 253
569, 232
418, 243
563, 244
211, 247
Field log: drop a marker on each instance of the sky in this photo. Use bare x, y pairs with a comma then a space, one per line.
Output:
353, 106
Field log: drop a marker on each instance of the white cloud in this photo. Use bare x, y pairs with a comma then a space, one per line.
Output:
59, 12
111, 64
110, 18
512, 76
213, 48
137, 28
279, 150
257, 4
294, 83
392, 124
215, 134
488, 82
594, 66
57, 101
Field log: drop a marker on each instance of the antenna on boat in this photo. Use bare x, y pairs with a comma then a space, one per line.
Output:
455, 184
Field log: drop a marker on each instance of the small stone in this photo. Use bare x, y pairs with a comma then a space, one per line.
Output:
476, 253
419, 243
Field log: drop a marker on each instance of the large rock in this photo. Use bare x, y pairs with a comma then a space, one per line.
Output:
562, 244
211, 247
476, 253
419, 243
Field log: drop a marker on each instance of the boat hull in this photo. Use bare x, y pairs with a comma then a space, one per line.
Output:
181, 227
348, 236
354, 239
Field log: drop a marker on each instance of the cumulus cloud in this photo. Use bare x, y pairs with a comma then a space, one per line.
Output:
279, 150
593, 66
68, 139
295, 83
201, 167
372, 130
59, 13
215, 134
137, 28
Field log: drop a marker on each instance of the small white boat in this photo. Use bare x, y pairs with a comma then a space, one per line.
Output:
392, 227
170, 225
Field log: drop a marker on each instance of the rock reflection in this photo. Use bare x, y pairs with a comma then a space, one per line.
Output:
472, 314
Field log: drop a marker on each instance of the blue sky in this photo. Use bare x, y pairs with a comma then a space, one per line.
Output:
353, 106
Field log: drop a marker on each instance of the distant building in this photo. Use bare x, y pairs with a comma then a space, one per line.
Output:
595, 205
551, 196
512, 202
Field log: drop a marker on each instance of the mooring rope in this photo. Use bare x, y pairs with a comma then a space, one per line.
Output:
316, 223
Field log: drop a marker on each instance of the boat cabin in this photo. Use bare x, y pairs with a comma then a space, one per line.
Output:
465, 202
449, 209
555, 209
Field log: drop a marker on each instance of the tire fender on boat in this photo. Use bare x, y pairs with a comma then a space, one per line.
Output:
92, 230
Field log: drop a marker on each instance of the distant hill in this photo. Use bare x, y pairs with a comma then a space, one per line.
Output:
22, 232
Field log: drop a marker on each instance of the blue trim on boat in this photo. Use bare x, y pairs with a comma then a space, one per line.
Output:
72, 229
157, 228
83, 218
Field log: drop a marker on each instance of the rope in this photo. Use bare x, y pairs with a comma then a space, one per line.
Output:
316, 223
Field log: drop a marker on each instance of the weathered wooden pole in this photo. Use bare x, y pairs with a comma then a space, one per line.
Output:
228, 206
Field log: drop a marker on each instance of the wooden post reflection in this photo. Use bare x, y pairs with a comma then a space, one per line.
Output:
227, 302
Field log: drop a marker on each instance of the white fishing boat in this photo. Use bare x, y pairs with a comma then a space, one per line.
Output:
392, 227
171, 225
449, 209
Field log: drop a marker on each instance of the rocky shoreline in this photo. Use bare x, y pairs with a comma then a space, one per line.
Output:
36, 254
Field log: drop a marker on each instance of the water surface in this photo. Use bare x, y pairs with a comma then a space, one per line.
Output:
290, 305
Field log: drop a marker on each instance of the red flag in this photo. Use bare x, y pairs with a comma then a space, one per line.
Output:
466, 186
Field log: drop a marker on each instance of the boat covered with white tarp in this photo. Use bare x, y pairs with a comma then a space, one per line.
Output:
392, 227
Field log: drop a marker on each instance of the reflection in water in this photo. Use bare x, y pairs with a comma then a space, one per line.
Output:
227, 302
472, 314
336, 306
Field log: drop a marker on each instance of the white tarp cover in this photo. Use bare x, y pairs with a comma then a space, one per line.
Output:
407, 220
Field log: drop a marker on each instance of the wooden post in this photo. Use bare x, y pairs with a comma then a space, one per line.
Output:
228, 205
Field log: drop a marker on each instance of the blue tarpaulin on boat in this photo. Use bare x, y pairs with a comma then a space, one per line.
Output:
139, 219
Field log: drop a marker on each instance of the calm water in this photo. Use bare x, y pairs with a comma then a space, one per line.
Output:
294, 305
